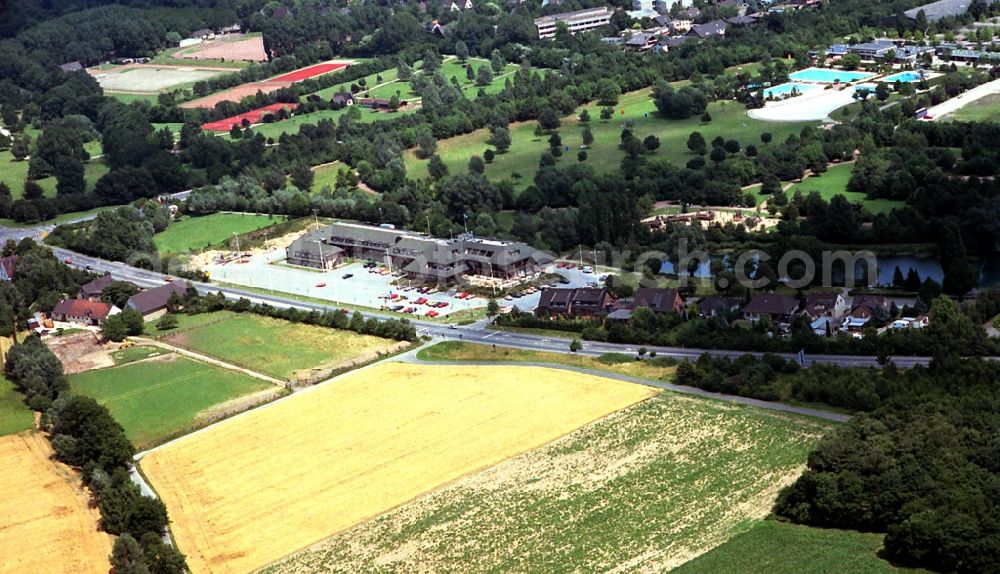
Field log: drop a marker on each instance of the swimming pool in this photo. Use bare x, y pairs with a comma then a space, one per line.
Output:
905, 77
782, 90
827, 76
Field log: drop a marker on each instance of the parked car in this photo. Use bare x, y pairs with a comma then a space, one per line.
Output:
348, 275
431, 313
321, 284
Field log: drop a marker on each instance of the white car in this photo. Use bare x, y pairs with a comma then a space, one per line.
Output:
588, 269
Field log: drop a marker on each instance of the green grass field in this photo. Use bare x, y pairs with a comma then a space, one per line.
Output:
729, 120
129, 98
779, 548
196, 233
136, 353
985, 109
642, 490
15, 173
292, 124
326, 175
15, 416
275, 347
185, 322
159, 399
834, 181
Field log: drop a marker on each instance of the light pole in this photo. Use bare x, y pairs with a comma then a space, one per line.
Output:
237, 238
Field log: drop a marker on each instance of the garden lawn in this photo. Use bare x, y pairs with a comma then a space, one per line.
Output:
196, 233
292, 124
985, 109
15, 173
780, 548
520, 163
15, 416
326, 174
159, 399
834, 182
276, 347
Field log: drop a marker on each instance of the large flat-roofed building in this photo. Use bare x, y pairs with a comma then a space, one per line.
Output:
579, 21
418, 256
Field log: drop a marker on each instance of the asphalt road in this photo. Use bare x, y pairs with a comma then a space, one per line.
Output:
474, 333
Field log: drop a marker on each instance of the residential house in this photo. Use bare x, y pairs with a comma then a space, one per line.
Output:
863, 308
741, 21
824, 304
659, 300
379, 103
822, 326
342, 99
202, 34
92, 291
578, 21
715, 305
779, 309
7, 267
71, 67
641, 41
583, 302
692, 13
708, 30
872, 302
83, 312
152, 303
740, 6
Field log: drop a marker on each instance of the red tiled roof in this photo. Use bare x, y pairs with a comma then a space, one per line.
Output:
82, 308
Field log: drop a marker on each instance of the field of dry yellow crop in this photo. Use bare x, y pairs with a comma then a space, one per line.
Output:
260, 486
47, 526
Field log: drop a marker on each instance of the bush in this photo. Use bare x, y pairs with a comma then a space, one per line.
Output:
166, 322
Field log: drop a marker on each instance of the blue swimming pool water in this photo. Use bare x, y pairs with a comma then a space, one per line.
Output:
785, 89
902, 77
826, 76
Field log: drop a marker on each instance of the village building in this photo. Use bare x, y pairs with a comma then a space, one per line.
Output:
92, 291
579, 21
584, 302
418, 256
83, 312
152, 303
778, 309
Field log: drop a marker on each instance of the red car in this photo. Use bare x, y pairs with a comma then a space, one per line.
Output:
321, 284
431, 313
441, 304
420, 300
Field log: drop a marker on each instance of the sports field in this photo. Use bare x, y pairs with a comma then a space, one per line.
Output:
159, 398
311, 72
642, 490
15, 416
230, 48
151, 78
780, 548
279, 348
834, 182
267, 483
729, 120
196, 233
253, 117
235, 94
48, 526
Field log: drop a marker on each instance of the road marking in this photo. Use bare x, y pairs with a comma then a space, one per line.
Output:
494, 333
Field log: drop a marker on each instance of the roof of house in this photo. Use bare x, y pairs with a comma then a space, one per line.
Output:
871, 301
343, 96
201, 33
741, 20
771, 304
620, 315
589, 295
677, 41
570, 17
96, 287
640, 39
715, 303
71, 67
820, 302
709, 29
156, 298
556, 297
83, 308
657, 299
8, 264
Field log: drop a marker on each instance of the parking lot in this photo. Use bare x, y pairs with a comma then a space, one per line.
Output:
353, 284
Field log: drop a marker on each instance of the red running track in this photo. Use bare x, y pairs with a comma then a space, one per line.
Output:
253, 116
310, 72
